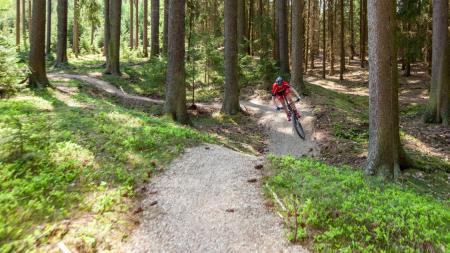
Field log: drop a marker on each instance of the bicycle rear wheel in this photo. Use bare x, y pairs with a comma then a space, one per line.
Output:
298, 126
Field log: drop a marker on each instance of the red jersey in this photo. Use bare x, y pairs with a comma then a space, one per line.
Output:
280, 90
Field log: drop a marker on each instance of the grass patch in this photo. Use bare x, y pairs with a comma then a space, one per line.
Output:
348, 114
342, 211
61, 154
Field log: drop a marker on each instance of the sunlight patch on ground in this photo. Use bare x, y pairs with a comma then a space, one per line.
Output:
416, 144
73, 153
69, 101
362, 91
125, 119
38, 102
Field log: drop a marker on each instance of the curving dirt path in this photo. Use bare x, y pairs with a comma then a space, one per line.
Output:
110, 90
282, 137
210, 199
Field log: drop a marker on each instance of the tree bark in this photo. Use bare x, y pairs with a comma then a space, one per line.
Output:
283, 36
18, 25
145, 31
276, 46
297, 45
307, 36
352, 32
342, 67
61, 44
115, 12
361, 33
385, 155
75, 37
49, 27
155, 28
331, 22
438, 104
136, 38
38, 75
107, 33
166, 26
131, 24
242, 22
313, 34
24, 26
250, 28
231, 94
324, 40
176, 74
29, 19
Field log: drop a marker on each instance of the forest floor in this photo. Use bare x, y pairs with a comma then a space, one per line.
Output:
97, 113
229, 202
336, 122
342, 123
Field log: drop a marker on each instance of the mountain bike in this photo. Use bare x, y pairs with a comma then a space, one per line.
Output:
295, 119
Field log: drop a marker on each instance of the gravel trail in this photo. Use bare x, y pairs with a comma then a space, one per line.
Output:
283, 139
205, 203
210, 199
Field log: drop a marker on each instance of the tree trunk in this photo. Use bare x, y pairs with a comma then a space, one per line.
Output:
438, 104
250, 27
155, 28
75, 37
107, 33
166, 26
297, 45
131, 24
342, 67
385, 155
38, 75
145, 31
231, 94
324, 40
24, 26
307, 33
136, 38
18, 25
313, 34
362, 53
61, 44
352, 32
29, 19
115, 11
242, 22
429, 47
283, 36
276, 46
331, 22
176, 74
49, 27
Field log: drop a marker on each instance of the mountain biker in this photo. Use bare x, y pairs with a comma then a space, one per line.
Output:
281, 89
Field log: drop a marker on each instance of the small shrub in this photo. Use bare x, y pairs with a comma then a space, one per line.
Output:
9, 70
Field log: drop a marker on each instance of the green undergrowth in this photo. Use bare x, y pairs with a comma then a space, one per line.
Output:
64, 153
146, 77
340, 210
348, 113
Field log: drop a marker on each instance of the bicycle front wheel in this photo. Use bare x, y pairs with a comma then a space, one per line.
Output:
298, 127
